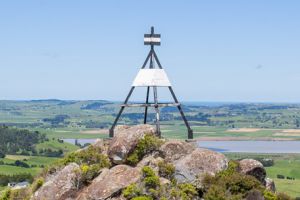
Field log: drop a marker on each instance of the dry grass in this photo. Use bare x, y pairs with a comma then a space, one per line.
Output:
243, 130
95, 131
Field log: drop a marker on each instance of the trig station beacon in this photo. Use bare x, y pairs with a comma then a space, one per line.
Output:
153, 76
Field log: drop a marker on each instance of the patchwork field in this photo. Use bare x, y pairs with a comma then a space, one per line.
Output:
38, 161
60, 119
91, 119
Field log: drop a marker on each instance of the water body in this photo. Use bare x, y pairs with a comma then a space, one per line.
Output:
235, 146
80, 141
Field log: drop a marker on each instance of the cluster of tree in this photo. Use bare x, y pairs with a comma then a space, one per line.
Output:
14, 141
21, 125
95, 105
280, 176
21, 164
17, 163
198, 117
275, 107
267, 162
5, 179
58, 119
51, 153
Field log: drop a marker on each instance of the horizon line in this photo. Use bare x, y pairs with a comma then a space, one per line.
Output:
189, 101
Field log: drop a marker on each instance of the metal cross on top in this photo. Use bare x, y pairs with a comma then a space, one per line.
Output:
152, 77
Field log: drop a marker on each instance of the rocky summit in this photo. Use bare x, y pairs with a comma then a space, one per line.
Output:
137, 165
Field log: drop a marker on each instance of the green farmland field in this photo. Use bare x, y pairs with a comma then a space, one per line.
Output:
39, 161
59, 119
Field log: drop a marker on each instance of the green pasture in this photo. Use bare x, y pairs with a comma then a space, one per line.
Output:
10, 170
30, 160
291, 187
55, 145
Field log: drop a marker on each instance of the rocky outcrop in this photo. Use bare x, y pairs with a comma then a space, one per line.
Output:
58, 186
120, 128
175, 149
191, 164
151, 161
110, 182
253, 168
102, 144
255, 195
197, 163
270, 185
125, 141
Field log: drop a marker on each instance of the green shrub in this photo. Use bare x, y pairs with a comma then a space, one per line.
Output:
148, 171
89, 156
16, 194
166, 170
215, 192
268, 195
146, 145
230, 180
142, 198
232, 168
154, 193
150, 178
152, 181
131, 191
133, 158
187, 191
241, 184
37, 184
6, 195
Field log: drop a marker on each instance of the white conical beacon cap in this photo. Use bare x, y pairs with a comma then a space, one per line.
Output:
151, 77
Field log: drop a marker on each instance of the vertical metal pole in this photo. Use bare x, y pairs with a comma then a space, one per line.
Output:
157, 112
111, 130
158, 133
190, 131
146, 108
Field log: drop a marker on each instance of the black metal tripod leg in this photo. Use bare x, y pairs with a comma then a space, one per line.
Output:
157, 61
190, 131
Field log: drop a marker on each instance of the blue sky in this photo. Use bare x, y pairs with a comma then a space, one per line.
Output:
212, 50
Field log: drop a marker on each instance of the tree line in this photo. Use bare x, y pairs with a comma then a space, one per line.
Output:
18, 141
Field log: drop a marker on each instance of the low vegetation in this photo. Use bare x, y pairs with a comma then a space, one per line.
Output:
226, 185
229, 184
147, 144
284, 171
151, 188
166, 170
